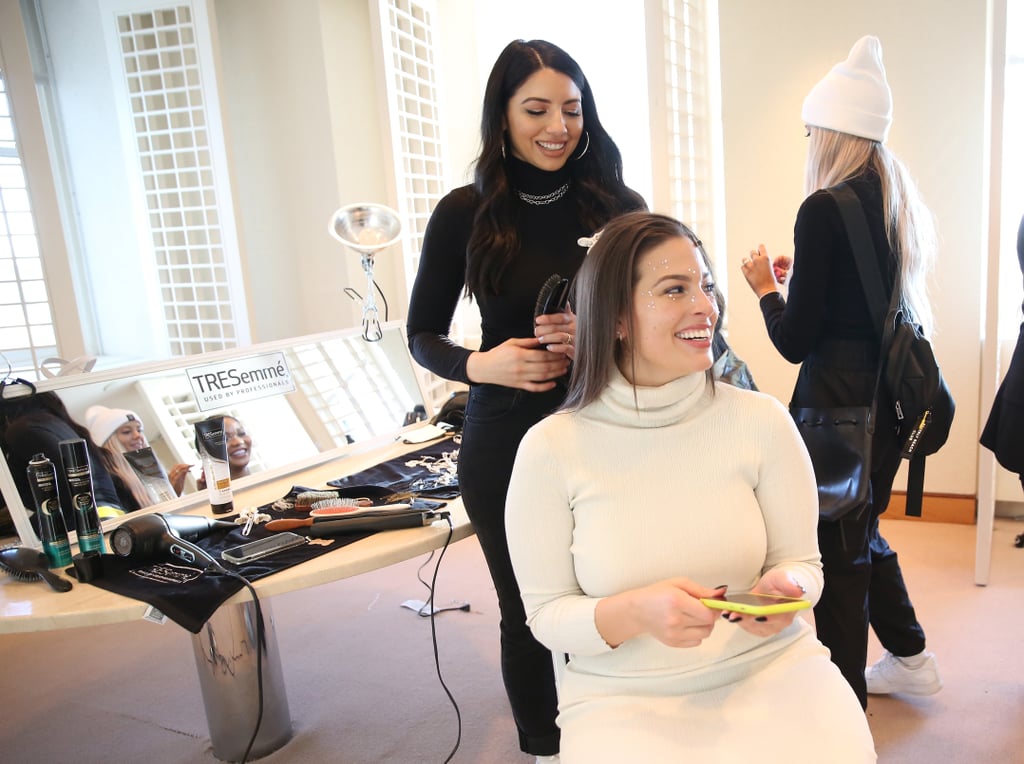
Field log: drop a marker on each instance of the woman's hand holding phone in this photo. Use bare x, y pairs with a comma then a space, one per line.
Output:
670, 611
767, 609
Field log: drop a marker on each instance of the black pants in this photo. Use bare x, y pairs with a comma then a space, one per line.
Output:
863, 581
496, 420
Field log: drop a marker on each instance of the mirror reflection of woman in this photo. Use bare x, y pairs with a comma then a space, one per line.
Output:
239, 447
117, 431
120, 430
548, 174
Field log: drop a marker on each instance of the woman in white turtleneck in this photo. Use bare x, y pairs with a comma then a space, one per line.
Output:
651, 489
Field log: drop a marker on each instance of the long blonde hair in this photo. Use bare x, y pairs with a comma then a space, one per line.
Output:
833, 157
114, 460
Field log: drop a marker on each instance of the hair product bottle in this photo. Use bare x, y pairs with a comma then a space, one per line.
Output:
151, 473
213, 448
78, 473
42, 479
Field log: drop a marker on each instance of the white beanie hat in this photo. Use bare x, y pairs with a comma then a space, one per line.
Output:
102, 422
854, 96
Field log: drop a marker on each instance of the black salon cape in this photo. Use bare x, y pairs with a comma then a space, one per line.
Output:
407, 476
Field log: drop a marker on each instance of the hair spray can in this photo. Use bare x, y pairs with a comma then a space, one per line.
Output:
78, 473
42, 479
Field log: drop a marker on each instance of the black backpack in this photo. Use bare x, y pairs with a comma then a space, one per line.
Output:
922, 402
453, 411
924, 406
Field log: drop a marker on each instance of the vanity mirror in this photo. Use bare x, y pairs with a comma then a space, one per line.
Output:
302, 401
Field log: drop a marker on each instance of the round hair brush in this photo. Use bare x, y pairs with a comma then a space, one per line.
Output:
27, 564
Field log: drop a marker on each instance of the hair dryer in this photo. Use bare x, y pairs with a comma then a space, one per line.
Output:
144, 537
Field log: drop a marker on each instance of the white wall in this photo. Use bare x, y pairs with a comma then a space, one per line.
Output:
302, 116
935, 58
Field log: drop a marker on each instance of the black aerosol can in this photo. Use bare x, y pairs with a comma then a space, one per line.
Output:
78, 473
42, 480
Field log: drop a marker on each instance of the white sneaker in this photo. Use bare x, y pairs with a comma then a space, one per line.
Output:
553, 759
891, 674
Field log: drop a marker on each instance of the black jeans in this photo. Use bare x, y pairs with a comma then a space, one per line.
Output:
863, 581
496, 420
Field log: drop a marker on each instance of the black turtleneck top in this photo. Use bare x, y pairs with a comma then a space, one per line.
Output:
548, 235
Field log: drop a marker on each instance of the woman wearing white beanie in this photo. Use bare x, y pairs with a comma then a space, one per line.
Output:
824, 324
117, 431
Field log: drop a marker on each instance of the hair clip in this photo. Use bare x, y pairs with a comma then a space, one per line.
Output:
589, 241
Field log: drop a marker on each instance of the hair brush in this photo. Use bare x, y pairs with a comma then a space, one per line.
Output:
27, 564
553, 296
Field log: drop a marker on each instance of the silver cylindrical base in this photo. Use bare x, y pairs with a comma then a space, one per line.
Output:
225, 652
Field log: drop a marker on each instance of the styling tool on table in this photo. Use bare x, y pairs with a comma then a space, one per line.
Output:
365, 522
334, 507
27, 564
149, 537
249, 517
385, 510
309, 498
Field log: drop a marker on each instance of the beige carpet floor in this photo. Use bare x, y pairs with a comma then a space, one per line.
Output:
363, 689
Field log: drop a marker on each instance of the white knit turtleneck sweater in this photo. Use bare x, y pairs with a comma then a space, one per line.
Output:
714, 485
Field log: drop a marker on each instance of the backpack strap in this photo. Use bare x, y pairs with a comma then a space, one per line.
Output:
867, 267
866, 257
915, 486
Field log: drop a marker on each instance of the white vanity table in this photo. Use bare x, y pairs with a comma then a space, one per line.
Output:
225, 659
230, 697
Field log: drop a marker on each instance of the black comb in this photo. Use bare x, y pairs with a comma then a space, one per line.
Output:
553, 296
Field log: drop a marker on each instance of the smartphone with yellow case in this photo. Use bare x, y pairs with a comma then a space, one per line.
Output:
756, 604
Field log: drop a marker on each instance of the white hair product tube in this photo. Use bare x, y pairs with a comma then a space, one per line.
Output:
213, 448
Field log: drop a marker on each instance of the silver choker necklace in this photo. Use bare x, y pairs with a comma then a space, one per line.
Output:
539, 199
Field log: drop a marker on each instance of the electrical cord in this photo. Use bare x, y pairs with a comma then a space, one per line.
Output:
425, 609
353, 294
433, 637
261, 643
383, 299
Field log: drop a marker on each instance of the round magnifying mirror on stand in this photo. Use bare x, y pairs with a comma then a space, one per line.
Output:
367, 228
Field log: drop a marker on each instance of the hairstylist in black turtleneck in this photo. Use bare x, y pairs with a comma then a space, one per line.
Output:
547, 174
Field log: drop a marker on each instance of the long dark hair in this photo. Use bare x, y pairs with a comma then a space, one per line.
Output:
604, 294
597, 174
37, 407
